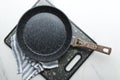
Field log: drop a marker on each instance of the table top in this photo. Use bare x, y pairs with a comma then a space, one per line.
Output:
99, 19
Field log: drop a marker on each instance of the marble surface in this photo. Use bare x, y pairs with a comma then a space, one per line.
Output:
2, 72
100, 19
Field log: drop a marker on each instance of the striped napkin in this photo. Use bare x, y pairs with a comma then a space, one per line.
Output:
29, 68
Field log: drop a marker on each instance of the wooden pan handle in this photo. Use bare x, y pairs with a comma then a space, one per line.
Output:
78, 42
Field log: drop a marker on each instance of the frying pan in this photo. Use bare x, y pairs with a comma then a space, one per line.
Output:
44, 34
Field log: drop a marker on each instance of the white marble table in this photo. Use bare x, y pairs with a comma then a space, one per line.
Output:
100, 19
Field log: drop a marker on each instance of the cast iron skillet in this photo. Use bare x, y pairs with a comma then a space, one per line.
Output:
44, 33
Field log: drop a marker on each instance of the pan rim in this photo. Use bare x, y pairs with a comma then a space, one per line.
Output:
27, 16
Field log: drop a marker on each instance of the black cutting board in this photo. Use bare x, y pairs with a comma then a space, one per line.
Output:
60, 73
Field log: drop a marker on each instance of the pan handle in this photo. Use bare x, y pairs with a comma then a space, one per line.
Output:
78, 42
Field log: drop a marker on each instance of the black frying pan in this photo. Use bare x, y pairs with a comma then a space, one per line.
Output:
44, 33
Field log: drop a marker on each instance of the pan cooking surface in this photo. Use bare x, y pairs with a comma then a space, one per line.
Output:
44, 33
